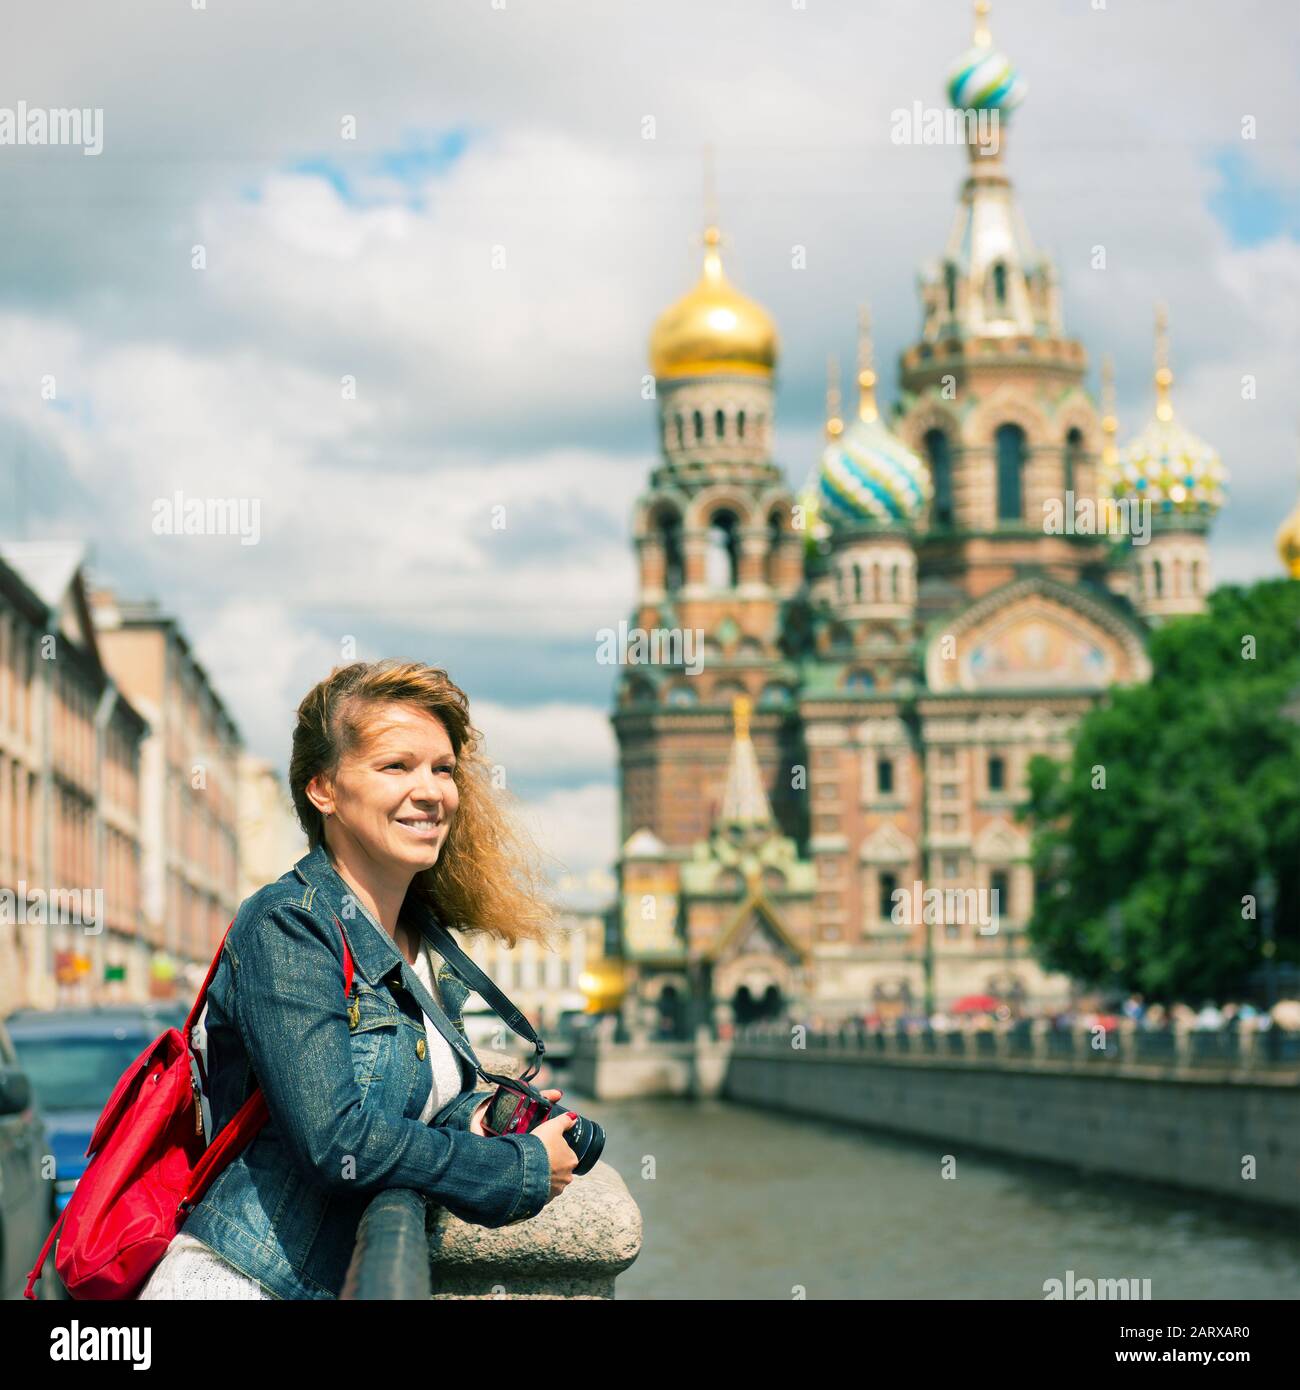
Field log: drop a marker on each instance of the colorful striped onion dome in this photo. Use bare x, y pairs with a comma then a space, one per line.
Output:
869, 475
982, 79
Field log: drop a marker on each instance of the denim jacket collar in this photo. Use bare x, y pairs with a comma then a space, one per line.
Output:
374, 953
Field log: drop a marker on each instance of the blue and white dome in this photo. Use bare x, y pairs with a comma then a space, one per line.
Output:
869, 475
983, 79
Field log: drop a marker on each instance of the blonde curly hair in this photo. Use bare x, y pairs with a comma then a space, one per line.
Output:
489, 876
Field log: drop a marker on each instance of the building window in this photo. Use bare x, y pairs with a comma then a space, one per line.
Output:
681, 432
1073, 457
885, 777
939, 456
670, 537
740, 424
947, 822
1000, 284
698, 421
997, 775
1000, 883
947, 757
948, 791
1158, 577
950, 286
722, 567
719, 424
951, 866
1010, 442
888, 887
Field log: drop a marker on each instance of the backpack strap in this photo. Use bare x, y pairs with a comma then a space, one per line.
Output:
251, 1116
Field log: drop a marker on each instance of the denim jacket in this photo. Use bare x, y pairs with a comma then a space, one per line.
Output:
343, 1094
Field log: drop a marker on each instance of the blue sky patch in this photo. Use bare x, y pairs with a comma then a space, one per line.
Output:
1252, 210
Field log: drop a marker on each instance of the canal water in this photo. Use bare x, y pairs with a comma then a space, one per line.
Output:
738, 1203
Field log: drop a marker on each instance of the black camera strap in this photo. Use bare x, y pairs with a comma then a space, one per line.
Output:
496, 1000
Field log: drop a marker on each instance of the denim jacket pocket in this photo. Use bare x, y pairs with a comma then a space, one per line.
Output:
373, 1021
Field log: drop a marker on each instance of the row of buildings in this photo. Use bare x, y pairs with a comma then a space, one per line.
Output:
133, 821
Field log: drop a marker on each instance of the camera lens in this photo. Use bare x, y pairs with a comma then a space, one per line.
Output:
587, 1139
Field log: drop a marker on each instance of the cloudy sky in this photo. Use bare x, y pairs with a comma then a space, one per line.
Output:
453, 203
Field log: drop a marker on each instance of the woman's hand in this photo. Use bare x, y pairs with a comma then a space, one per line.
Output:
476, 1120
563, 1159
551, 1132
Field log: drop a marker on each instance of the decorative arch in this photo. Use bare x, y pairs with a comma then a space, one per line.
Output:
722, 497
1007, 406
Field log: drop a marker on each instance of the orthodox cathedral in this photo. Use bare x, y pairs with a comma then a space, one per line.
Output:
821, 815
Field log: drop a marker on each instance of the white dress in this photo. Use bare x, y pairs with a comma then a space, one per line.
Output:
189, 1269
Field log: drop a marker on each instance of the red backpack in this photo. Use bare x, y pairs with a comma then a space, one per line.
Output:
149, 1166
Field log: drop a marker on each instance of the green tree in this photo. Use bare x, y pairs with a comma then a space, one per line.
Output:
1151, 840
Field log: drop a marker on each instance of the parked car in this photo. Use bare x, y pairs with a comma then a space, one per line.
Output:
74, 1057
26, 1189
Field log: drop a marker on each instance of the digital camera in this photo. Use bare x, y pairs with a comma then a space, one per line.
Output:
519, 1109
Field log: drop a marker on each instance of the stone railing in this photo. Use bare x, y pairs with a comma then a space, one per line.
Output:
575, 1247
1035, 1040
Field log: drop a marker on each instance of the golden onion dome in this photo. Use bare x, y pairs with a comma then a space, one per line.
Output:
604, 982
1288, 543
713, 328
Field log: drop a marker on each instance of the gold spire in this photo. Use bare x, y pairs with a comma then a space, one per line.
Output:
1164, 377
713, 328
866, 372
1109, 422
1288, 543
983, 39
744, 800
834, 422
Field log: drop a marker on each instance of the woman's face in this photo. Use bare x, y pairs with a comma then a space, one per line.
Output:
394, 796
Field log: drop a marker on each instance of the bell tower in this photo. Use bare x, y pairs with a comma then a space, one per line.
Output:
717, 558
993, 395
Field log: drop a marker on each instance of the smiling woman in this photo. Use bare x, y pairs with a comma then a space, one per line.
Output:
366, 1092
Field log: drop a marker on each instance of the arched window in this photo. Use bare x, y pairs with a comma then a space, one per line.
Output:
681, 433
670, 538
699, 425
1196, 577
950, 286
1010, 441
940, 459
1000, 284
722, 562
1000, 883
740, 424
857, 583
888, 887
1157, 578
893, 581
719, 424
773, 546
1073, 457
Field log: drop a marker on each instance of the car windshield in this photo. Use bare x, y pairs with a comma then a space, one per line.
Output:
76, 1073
